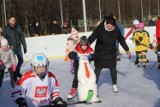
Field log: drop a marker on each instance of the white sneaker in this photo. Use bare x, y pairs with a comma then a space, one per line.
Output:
115, 88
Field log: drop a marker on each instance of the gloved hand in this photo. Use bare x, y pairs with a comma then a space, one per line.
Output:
14, 68
137, 42
89, 56
140, 38
21, 102
25, 50
1, 62
151, 46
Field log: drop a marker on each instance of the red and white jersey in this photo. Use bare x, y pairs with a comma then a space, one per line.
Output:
37, 92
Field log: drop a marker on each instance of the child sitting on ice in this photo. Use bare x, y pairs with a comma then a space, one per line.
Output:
7, 61
38, 87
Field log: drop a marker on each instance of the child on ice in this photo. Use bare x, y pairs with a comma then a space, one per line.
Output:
7, 61
83, 72
141, 40
38, 87
71, 43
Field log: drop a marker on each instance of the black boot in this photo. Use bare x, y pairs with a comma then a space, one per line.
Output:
18, 74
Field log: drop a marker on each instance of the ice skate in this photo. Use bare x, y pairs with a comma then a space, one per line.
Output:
72, 93
144, 64
115, 88
138, 65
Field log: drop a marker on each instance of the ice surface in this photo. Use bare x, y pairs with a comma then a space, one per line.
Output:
138, 87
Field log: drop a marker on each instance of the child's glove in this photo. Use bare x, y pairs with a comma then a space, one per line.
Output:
89, 56
59, 102
151, 46
21, 102
137, 42
14, 68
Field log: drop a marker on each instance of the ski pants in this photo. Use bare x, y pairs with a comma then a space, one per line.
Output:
113, 73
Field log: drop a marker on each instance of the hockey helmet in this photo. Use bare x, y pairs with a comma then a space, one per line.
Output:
39, 59
141, 25
135, 22
83, 40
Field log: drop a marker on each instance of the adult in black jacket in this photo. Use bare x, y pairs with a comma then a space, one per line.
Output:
13, 33
54, 27
106, 35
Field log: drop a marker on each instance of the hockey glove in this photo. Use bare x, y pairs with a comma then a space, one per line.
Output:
25, 50
21, 102
72, 55
59, 102
137, 42
140, 39
151, 46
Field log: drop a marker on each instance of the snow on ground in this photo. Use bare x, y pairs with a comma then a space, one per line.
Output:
138, 87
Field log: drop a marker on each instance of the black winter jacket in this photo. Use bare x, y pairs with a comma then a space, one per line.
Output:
15, 37
105, 48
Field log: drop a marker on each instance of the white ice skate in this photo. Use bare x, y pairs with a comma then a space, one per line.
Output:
115, 88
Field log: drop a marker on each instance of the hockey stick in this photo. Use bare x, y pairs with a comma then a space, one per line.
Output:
87, 101
152, 48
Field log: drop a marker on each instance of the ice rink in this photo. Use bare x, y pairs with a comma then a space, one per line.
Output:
138, 87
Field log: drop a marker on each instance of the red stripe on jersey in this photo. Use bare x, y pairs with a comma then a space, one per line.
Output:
27, 75
53, 76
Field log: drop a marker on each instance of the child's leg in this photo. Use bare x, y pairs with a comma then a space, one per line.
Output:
12, 81
1, 77
139, 59
72, 66
144, 59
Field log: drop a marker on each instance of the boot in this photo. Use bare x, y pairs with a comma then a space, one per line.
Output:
115, 88
72, 93
18, 74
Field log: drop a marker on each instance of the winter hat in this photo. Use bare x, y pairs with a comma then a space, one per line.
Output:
74, 34
4, 42
135, 22
110, 20
141, 25
83, 40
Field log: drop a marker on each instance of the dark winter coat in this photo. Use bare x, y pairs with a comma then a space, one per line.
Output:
15, 37
54, 29
105, 48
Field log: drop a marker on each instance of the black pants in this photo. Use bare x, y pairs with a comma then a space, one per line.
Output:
113, 73
12, 77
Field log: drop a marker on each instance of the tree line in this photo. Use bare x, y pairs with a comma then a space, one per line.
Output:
27, 11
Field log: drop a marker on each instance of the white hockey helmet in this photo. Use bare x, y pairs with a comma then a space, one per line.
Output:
135, 22
39, 59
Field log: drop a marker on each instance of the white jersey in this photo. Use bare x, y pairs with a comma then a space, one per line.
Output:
37, 92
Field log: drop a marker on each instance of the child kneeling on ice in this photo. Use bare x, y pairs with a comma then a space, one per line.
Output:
7, 61
38, 87
84, 76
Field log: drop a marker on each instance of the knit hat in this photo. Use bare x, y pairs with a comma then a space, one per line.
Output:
74, 34
110, 20
4, 42
83, 40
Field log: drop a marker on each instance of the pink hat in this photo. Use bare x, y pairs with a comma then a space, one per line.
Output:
4, 42
74, 34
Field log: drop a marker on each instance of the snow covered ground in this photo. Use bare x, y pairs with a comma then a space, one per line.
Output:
138, 87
